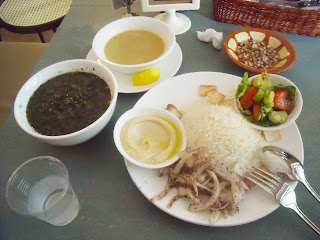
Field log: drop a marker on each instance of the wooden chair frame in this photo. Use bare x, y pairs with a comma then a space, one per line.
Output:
32, 29
53, 25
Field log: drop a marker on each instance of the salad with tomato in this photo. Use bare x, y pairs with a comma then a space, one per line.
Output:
262, 102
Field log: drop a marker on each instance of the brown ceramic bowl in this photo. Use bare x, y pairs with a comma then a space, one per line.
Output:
284, 49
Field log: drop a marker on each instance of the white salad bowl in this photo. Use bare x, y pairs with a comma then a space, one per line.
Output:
159, 112
27, 90
133, 23
292, 117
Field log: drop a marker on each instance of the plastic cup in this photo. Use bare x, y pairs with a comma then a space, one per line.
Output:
40, 188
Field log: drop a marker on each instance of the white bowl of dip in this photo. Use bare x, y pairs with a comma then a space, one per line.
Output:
119, 26
150, 137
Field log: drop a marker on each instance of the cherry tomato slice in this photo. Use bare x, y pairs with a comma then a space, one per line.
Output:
247, 99
256, 111
282, 100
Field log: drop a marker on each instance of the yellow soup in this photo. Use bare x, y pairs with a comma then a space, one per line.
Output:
134, 47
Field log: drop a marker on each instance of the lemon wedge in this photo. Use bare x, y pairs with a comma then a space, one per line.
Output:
146, 77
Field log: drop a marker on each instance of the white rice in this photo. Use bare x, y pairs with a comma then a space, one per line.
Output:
223, 133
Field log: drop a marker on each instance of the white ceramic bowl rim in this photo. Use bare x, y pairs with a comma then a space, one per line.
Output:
277, 79
92, 125
147, 111
136, 18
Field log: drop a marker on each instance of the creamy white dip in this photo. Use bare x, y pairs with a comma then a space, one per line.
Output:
149, 139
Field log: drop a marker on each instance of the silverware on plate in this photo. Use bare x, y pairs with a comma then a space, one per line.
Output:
285, 165
279, 189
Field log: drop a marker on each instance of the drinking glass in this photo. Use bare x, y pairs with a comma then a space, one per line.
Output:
40, 188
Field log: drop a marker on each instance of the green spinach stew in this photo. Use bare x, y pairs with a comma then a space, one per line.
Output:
68, 103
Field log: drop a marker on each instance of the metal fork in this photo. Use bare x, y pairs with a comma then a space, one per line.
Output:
279, 189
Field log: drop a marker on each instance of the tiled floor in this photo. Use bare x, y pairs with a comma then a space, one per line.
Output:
8, 90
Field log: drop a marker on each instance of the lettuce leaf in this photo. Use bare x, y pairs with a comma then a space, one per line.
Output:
242, 88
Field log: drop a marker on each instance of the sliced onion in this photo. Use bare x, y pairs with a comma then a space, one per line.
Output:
214, 196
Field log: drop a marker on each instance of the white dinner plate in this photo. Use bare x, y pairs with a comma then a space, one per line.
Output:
182, 90
169, 66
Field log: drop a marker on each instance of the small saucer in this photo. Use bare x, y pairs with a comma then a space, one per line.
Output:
168, 68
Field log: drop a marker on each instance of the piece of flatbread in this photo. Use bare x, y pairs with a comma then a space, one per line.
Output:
206, 88
173, 109
272, 136
215, 96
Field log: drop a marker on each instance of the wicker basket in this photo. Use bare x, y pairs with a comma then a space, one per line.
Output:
284, 19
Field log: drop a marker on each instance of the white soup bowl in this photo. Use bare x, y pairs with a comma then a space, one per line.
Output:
127, 24
80, 65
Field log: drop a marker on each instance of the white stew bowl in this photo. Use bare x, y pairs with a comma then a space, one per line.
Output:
80, 65
132, 23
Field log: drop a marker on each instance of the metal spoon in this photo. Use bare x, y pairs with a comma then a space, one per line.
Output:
289, 169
